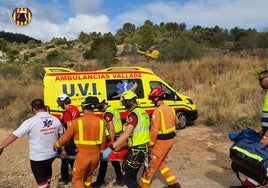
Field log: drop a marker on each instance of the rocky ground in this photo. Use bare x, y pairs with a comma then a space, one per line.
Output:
199, 158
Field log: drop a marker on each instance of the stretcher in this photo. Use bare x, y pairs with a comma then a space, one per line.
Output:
113, 156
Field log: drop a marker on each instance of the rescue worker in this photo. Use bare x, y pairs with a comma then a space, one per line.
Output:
136, 136
263, 82
88, 132
70, 112
42, 129
162, 133
113, 122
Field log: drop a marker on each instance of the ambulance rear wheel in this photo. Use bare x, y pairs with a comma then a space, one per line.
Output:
183, 119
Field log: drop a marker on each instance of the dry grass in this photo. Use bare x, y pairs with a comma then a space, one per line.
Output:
224, 87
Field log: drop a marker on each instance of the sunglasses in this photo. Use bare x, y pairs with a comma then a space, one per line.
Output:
261, 79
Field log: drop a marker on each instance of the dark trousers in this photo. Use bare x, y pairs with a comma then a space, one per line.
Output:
132, 164
65, 168
42, 170
103, 169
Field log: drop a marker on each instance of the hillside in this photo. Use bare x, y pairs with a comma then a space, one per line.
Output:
16, 37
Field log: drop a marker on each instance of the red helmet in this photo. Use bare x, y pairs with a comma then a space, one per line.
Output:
157, 92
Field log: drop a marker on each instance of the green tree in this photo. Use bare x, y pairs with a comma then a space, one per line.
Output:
262, 40
243, 39
147, 35
54, 57
84, 38
32, 44
102, 48
59, 41
127, 30
3, 45
178, 49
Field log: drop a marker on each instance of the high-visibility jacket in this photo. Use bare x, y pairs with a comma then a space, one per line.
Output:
265, 111
88, 132
116, 119
141, 133
163, 121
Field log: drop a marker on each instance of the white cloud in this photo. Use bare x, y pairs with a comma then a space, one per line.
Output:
227, 14
86, 24
70, 30
47, 20
206, 13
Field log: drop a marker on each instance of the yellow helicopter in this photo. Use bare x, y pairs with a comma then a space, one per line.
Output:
148, 53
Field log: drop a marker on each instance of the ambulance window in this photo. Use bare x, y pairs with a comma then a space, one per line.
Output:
170, 95
116, 87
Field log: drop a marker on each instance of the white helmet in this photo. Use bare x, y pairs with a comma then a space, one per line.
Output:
62, 97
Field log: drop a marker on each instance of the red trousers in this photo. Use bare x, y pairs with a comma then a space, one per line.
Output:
158, 155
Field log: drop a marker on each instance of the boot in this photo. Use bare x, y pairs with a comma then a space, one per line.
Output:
239, 186
176, 185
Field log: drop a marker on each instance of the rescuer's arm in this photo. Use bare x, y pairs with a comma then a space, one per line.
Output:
264, 135
122, 140
102, 146
10, 139
111, 130
67, 136
155, 124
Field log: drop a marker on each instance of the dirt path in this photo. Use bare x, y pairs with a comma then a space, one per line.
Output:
199, 158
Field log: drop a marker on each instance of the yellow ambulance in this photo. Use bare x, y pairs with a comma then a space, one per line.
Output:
109, 84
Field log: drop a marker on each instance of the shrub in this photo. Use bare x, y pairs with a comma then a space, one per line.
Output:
10, 71
54, 57
32, 54
4, 101
38, 72
178, 49
242, 122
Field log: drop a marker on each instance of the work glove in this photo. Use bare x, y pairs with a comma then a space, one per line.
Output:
56, 145
106, 153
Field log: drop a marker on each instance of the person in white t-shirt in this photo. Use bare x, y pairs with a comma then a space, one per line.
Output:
43, 130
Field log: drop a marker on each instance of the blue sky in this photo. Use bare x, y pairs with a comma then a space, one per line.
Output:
67, 18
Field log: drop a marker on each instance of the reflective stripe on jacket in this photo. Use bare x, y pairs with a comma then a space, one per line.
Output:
82, 140
166, 128
141, 133
163, 122
265, 111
